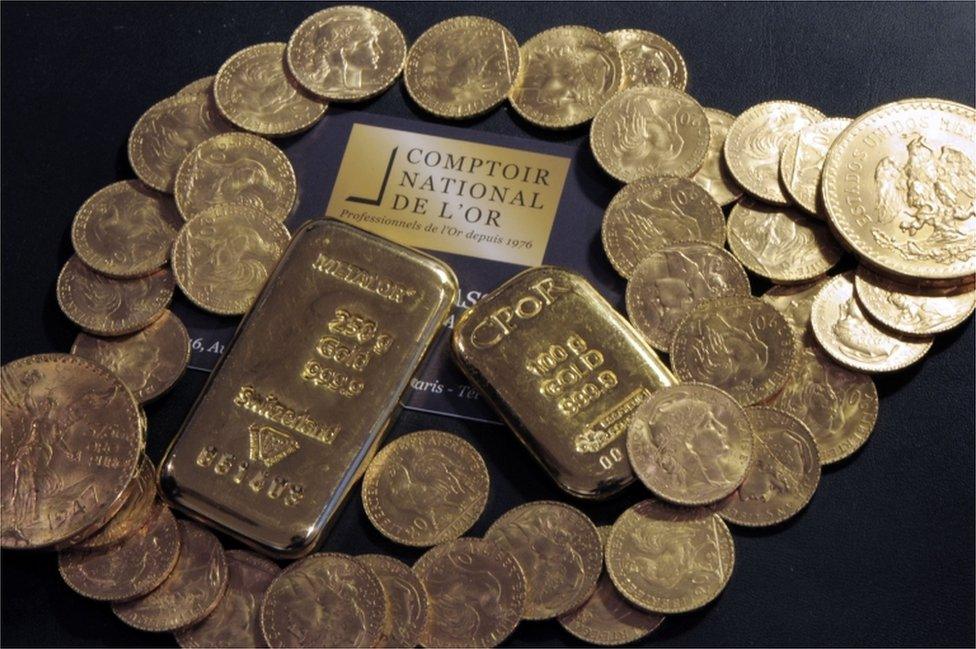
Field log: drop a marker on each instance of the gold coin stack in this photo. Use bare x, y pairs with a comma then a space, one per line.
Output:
772, 388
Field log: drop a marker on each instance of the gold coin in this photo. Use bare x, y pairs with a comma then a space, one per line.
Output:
167, 132
149, 362
780, 243
669, 559
565, 75
898, 188
802, 159
650, 131
236, 620
203, 85
672, 281
462, 67
714, 175
649, 59
739, 344
138, 507
854, 341
755, 141
324, 600
654, 213
837, 405
190, 592
784, 473
913, 309
794, 303
346, 53
407, 599
105, 306
606, 618
425, 488
255, 92
690, 444
222, 257
70, 443
125, 230
475, 593
236, 169
129, 569
559, 551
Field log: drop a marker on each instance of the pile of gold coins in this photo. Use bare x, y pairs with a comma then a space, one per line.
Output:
770, 388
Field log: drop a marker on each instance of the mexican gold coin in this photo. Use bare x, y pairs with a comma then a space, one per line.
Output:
606, 618
462, 67
202, 85
739, 344
649, 59
167, 132
754, 145
476, 594
898, 185
190, 592
129, 569
854, 341
654, 213
425, 488
565, 75
324, 600
672, 281
235, 622
70, 443
913, 309
105, 306
139, 506
236, 169
837, 405
406, 597
222, 257
650, 131
346, 53
125, 230
780, 243
149, 361
669, 559
714, 175
255, 92
559, 551
784, 473
690, 444
802, 159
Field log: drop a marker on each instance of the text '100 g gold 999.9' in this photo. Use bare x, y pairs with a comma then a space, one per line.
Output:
564, 370
302, 398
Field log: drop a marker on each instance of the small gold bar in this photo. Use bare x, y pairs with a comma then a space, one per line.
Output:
303, 395
564, 370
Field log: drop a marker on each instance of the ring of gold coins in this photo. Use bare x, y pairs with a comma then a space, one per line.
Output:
776, 387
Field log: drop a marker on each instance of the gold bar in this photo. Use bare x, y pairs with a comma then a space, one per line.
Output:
303, 396
564, 370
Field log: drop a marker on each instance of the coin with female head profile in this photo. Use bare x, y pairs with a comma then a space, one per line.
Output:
346, 53
565, 75
649, 59
649, 131
425, 488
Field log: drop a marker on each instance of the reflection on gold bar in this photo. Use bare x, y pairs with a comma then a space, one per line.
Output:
566, 372
302, 397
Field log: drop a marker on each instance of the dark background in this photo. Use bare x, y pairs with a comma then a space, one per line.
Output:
884, 555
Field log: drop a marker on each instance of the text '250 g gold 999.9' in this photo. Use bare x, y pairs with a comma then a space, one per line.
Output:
566, 372
300, 401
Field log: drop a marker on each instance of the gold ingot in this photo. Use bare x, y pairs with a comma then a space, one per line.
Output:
564, 370
301, 399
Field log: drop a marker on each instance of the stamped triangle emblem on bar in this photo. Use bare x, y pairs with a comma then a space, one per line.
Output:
269, 445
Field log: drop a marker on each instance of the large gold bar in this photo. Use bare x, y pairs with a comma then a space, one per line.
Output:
302, 397
564, 370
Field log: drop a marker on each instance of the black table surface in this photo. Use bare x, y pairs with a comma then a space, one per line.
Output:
884, 555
